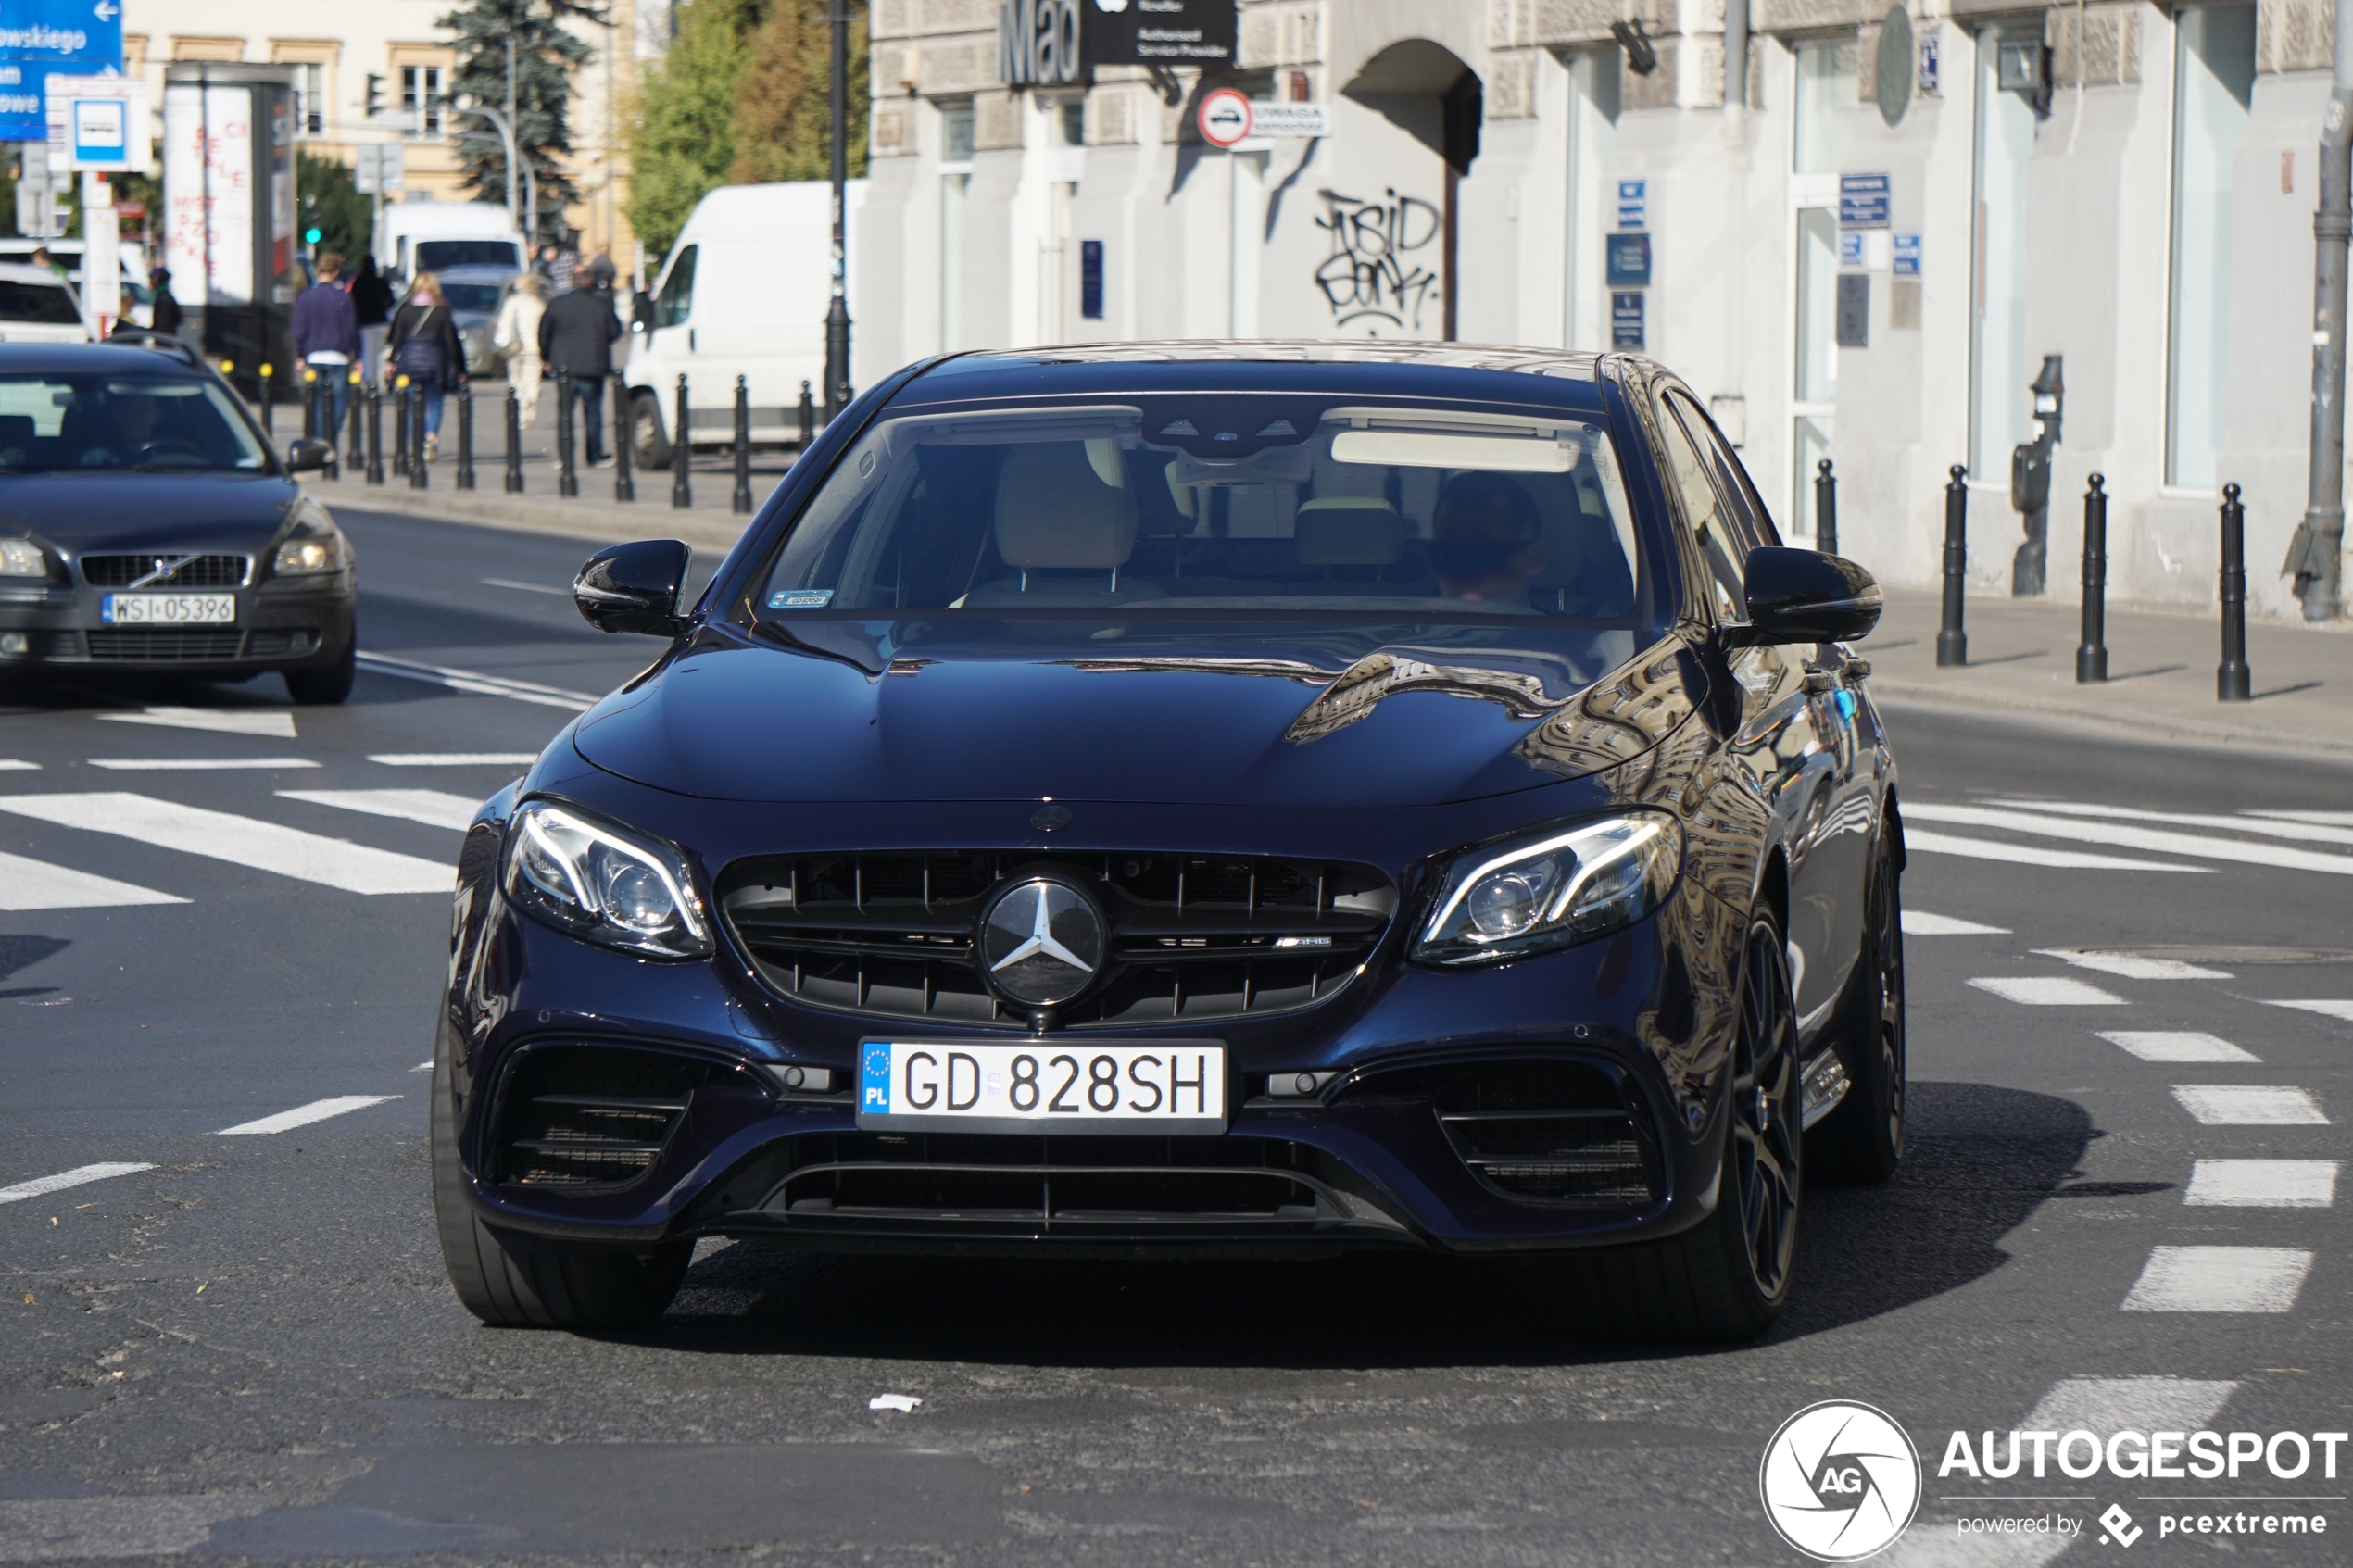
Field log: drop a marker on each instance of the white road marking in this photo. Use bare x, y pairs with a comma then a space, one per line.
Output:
2262, 1184
303, 1115
1919, 922
2307, 832
265, 846
526, 587
197, 764
2201, 845
2220, 1279
2131, 966
35, 884
422, 1067
2027, 855
276, 722
432, 806
2177, 1044
2045, 991
2119, 1404
76, 1177
2248, 1105
478, 683
2325, 1006
2321, 818
18, 765
456, 758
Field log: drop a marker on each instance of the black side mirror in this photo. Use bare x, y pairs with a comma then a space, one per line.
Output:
634, 587
1805, 596
307, 455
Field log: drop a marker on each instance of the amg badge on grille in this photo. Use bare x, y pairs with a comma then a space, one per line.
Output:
1042, 941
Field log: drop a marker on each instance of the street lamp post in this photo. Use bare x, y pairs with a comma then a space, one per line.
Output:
837, 312
506, 129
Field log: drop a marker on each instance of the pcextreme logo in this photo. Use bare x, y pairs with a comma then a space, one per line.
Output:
1839, 1481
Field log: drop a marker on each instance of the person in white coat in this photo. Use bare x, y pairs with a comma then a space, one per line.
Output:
516, 338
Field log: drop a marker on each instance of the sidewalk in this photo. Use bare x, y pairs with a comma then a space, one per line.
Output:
2161, 664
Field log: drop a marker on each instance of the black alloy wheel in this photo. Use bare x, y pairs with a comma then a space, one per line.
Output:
1763, 1146
315, 688
1863, 1139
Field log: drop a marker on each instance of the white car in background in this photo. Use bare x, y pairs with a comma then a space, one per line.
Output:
37, 305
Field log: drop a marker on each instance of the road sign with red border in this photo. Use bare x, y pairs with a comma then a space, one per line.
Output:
1224, 117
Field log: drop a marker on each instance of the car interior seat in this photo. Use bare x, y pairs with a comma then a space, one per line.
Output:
1065, 524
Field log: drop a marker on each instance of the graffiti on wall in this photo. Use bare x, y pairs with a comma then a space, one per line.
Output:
1372, 275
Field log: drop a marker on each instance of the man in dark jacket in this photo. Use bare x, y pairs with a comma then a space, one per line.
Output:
576, 333
326, 334
167, 314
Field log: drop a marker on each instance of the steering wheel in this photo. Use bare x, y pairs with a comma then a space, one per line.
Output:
185, 450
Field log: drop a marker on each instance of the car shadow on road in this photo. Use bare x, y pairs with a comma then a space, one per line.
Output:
1982, 1160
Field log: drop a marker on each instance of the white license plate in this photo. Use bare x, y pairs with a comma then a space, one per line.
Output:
1057, 1085
168, 609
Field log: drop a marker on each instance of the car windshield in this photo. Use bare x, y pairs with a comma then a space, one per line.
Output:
1213, 505
480, 300
45, 304
434, 255
122, 421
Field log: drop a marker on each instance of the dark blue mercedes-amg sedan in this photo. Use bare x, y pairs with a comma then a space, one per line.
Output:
1199, 799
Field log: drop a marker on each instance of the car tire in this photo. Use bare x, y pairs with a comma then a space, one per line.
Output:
324, 688
1727, 1278
513, 1281
1862, 1141
649, 446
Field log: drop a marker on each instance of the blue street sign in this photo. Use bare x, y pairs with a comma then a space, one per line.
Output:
1907, 256
38, 37
1633, 204
1626, 320
1628, 260
1850, 249
1862, 201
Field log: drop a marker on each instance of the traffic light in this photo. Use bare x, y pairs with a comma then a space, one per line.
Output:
375, 95
310, 236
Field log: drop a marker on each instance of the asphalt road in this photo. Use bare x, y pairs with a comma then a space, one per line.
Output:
243, 1344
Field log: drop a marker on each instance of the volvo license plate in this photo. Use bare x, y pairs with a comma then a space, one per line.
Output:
1057, 1085
168, 609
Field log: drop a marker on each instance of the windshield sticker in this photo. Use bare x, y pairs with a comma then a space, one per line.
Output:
802, 599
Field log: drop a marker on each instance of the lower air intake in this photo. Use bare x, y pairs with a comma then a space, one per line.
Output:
1552, 1133
588, 1116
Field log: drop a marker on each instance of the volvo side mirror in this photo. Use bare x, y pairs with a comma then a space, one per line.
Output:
634, 587
1805, 596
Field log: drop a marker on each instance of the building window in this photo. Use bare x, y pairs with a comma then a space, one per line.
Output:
2213, 88
956, 132
420, 98
311, 99
1069, 123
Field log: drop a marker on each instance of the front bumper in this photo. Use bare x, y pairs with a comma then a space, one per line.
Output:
1629, 1034
291, 624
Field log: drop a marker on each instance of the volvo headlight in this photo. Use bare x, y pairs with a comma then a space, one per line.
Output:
315, 546
604, 885
22, 558
1552, 889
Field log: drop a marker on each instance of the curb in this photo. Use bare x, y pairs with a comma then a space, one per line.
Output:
607, 521
1902, 694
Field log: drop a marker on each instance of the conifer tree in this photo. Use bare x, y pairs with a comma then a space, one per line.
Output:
547, 57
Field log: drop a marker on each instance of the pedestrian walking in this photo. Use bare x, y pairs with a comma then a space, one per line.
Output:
423, 346
372, 305
516, 338
164, 315
575, 338
326, 333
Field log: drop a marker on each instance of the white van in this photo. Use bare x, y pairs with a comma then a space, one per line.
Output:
743, 293
420, 237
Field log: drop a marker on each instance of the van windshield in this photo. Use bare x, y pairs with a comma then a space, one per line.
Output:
434, 255
1208, 504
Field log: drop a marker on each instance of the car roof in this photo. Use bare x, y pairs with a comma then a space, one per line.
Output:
91, 358
25, 272
1475, 373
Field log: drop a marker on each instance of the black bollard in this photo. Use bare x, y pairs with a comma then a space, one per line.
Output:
808, 417
1825, 508
400, 425
682, 454
741, 502
268, 409
1952, 642
420, 471
2090, 657
375, 402
514, 441
2233, 682
309, 404
465, 435
360, 393
625, 483
567, 470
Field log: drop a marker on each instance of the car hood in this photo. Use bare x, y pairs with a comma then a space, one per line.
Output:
841, 711
80, 512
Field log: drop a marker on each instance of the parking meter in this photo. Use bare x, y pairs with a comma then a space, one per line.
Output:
2031, 481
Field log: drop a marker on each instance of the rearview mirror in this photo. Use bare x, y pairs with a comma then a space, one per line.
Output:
634, 587
1805, 596
307, 455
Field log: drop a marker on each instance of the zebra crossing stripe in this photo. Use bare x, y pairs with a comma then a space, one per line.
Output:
2249, 1105
303, 1115
432, 806
242, 841
2262, 1184
2177, 1044
35, 884
2221, 1279
78, 1176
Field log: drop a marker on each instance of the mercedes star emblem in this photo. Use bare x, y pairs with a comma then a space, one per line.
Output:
1042, 941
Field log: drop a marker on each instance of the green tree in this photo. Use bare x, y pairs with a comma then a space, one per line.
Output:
683, 129
784, 109
547, 57
330, 201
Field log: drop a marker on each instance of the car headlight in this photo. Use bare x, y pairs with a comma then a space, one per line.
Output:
1553, 889
603, 885
22, 558
315, 546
